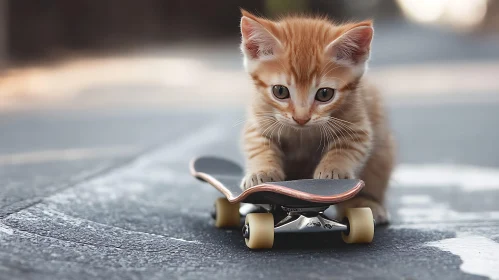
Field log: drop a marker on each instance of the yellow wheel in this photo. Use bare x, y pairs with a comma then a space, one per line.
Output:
226, 214
258, 230
360, 225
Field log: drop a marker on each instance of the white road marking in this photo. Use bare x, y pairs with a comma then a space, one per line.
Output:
479, 254
5, 229
134, 179
431, 79
439, 213
474, 230
468, 178
67, 155
155, 167
187, 241
415, 199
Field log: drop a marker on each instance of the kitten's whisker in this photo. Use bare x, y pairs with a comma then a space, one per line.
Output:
341, 120
320, 139
323, 75
253, 125
353, 131
265, 127
272, 132
271, 129
279, 133
261, 124
340, 129
348, 130
263, 114
330, 62
270, 126
268, 136
347, 122
262, 119
337, 137
323, 131
327, 137
239, 122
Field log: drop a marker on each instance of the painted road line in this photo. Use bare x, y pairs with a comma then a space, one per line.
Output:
474, 230
74, 154
126, 182
467, 178
479, 254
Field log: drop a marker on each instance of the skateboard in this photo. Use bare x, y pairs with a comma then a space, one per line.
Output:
278, 207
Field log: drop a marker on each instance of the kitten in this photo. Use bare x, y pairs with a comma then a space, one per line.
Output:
313, 114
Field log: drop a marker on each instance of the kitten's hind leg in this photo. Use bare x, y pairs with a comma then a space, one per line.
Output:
381, 216
376, 175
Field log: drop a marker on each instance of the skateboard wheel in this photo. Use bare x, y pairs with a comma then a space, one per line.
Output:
258, 230
360, 225
226, 214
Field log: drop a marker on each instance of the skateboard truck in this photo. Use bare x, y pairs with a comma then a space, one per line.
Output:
310, 220
301, 223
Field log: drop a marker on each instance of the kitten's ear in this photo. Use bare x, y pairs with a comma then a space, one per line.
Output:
352, 48
258, 43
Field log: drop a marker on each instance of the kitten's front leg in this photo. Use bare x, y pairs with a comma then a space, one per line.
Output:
337, 164
346, 155
263, 160
343, 164
255, 177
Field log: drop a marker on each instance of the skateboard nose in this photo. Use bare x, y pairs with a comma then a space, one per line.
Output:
301, 121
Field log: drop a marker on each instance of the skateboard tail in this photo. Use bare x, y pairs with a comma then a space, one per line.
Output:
212, 181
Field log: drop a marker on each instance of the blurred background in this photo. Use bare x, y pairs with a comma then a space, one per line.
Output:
76, 54
103, 103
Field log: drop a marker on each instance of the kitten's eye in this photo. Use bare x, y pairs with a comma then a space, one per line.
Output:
280, 92
324, 94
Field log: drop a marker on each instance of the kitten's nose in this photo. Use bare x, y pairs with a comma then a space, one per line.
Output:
301, 121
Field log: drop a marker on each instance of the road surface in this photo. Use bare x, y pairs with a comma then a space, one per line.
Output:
98, 194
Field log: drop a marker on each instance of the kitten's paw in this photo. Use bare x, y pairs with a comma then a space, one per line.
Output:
255, 178
381, 216
327, 171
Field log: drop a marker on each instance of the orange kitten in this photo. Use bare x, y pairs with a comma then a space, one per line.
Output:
313, 114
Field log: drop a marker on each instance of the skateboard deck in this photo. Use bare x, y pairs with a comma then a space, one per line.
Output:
226, 177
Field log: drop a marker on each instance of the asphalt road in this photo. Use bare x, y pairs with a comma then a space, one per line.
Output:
108, 195
138, 214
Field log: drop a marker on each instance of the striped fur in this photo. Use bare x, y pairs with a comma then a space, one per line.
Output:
347, 137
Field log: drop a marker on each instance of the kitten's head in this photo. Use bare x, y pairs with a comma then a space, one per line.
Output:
303, 68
